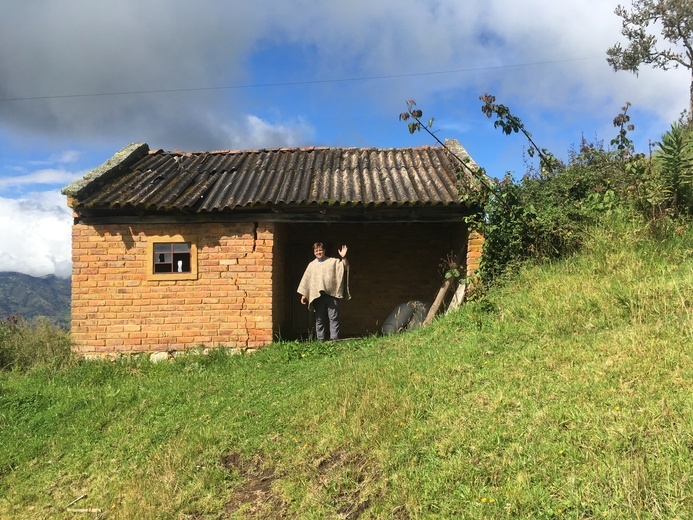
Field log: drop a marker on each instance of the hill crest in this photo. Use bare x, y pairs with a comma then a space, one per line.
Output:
31, 296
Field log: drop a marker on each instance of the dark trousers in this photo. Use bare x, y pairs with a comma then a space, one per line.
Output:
326, 315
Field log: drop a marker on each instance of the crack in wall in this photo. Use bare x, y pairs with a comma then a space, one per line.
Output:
244, 302
254, 235
242, 314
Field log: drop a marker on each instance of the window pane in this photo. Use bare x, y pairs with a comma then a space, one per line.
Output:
181, 248
162, 257
162, 248
181, 262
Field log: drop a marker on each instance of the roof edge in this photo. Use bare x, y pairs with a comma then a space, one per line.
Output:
459, 151
474, 176
126, 157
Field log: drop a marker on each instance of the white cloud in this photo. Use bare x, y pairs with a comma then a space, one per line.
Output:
67, 157
63, 157
46, 176
257, 133
544, 54
35, 235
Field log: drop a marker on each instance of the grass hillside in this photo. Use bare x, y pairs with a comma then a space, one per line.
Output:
31, 296
564, 393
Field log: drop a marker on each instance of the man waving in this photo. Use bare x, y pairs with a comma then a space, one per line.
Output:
325, 281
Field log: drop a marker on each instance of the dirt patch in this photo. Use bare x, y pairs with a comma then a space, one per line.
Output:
346, 482
352, 480
255, 496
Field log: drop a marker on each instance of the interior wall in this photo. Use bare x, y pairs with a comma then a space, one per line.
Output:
389, 264
280, 300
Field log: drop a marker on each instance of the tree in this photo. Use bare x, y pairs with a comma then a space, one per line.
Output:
674, 19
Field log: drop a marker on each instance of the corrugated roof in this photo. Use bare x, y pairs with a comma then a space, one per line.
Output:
219, 181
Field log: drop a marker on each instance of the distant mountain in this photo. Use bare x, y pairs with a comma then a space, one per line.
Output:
30, 296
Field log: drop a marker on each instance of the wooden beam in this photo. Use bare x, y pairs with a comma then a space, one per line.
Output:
312, 217
438, 302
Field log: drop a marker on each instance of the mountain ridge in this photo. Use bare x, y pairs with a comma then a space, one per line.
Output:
32, 296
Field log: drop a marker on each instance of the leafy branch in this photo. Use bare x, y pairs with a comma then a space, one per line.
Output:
416, 125
672, 19
621, 141
510, 123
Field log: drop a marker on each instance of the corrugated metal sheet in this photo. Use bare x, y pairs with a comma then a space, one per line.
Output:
228, 180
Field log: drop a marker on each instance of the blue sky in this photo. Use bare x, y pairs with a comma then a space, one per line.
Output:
81, 79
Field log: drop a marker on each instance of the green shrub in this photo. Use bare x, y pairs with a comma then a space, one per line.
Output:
545, 214
36, 343
674, 162
664, 187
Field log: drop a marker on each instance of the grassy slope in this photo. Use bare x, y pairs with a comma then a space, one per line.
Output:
565, 394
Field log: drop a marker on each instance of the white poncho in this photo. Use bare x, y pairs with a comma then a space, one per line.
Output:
330, 276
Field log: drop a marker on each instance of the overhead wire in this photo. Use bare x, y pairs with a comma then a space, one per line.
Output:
289, 83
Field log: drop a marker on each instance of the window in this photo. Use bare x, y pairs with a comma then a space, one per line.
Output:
171, 258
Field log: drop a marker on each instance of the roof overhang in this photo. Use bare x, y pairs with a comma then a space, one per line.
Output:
289, 213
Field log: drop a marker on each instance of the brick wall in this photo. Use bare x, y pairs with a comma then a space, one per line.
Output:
475, 245
242, 295
117, 309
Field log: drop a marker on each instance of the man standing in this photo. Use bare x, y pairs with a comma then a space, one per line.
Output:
325, 281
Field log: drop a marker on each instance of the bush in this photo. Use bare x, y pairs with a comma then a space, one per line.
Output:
544, 215
30, 344
674, 163
665, 182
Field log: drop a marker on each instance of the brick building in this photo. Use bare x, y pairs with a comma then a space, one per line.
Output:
175, 250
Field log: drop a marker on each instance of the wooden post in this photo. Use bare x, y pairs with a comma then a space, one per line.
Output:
438, 302
458, 298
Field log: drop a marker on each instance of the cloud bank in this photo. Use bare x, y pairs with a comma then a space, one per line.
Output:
104, 70
35, 235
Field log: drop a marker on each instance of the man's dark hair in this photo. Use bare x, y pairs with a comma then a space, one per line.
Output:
318, 245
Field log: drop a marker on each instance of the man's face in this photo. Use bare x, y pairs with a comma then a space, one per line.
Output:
319, 253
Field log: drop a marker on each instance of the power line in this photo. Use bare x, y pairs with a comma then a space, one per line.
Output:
294, 83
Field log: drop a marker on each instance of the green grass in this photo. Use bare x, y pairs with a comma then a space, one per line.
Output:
565, 393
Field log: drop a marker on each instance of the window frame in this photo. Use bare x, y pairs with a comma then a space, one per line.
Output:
171, 239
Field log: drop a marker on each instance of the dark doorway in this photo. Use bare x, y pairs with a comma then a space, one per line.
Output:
300, 319
390, 264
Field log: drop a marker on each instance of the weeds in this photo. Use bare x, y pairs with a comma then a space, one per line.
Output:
25, 345
296, 350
